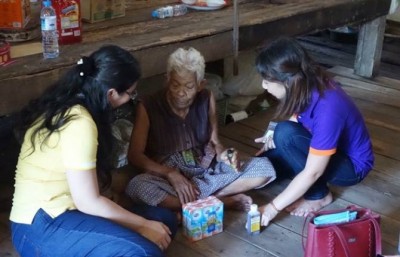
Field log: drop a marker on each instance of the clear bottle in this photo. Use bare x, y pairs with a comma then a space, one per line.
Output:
253, 222
48, 21
169, 11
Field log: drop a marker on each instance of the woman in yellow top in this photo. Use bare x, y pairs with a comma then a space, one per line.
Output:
57, 208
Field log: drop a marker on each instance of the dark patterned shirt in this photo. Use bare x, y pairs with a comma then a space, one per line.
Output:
169, 133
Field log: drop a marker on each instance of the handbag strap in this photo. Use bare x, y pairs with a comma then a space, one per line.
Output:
340, 235
306, 221
378, 236
378, 239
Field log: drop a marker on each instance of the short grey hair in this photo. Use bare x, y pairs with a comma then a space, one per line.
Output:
184, 60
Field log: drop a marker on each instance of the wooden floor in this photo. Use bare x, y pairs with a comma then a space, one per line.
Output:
379, 102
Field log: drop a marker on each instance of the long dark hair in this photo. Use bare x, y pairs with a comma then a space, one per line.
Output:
285, 61
86, 84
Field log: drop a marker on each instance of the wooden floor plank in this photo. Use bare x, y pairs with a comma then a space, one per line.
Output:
179, 249
374, 97
381, 115
385, 148
387, 166
273, 238
224, 245
243, 134
370, 86
380, 80
386, 136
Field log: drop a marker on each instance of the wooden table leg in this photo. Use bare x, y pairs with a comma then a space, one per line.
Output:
369, 48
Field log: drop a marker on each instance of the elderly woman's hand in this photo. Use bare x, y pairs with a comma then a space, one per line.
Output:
231, 157
187, 192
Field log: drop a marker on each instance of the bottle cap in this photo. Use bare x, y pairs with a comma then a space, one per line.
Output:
154, 14
253, 207
46, 3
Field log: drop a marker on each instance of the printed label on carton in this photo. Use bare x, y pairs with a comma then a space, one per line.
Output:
14, 13
203, 218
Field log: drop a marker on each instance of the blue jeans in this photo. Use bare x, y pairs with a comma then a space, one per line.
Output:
74, 233
289, 158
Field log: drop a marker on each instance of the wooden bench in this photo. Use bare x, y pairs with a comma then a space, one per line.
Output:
151, 41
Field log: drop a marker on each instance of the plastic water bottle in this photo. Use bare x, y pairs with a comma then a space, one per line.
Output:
48, 21
253, 222
169, 11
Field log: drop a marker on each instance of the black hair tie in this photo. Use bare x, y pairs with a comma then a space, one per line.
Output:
86, 66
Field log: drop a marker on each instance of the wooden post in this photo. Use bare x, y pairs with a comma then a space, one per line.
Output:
235, 38
369, 47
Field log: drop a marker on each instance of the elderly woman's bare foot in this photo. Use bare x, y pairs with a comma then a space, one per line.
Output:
239, 202
303, 207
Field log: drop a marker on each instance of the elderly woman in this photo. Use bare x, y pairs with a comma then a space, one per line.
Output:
175, 141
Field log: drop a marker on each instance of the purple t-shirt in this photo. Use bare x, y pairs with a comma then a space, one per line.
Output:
335, 123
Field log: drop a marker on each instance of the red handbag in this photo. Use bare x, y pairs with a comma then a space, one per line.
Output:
358, 238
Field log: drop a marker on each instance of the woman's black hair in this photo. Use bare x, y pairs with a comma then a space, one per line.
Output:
285, 61
85, 84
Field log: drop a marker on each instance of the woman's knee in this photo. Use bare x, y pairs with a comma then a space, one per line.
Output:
134, 186
283, 131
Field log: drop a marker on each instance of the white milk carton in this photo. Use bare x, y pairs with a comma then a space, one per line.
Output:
202, 218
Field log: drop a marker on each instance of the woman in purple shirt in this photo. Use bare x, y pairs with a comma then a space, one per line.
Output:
321, 137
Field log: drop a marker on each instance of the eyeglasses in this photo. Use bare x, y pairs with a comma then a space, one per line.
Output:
132, 95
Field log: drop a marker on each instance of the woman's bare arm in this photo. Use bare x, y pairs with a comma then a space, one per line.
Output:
87, 198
